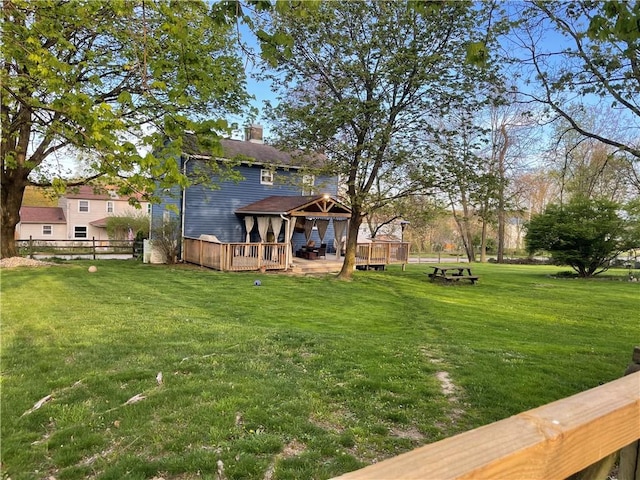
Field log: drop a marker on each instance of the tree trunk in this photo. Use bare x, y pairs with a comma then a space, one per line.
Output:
502, 215
468, 243
464, 226
501, 231
349, 264
13, 185
483, 242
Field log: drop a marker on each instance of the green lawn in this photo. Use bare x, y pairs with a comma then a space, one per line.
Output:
301, 377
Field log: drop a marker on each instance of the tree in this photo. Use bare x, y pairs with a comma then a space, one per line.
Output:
420, 211
110, 82
584, 234
534, 190
581, 52
424, 213
167, 239
463, 175
357, 81
125, 227
587, 167
513, 142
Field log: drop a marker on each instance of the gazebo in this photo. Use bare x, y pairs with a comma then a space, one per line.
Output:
269, 227
297, 213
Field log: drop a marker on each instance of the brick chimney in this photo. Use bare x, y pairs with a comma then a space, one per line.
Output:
253, 134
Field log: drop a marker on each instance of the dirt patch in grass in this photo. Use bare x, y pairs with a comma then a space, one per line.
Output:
449, 389
291, 449
410, 433
447, 386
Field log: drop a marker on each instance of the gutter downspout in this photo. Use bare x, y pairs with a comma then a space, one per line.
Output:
182, 209
287, 255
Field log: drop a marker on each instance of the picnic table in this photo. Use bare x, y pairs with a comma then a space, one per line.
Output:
449, 273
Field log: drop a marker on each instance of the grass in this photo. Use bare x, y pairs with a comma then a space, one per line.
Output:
301, 377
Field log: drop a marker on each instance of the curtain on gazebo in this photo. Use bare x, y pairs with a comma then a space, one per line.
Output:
339, 226
308, 228
263, 228
322, 224
248, 225
292, 227
276, 226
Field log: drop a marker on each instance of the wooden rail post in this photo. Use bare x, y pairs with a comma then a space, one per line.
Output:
30, 246
629, 468
551, 441
93, 246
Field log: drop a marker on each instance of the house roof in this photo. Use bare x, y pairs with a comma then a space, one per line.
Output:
297, 206
90, 192
256, 152
42, 215
100, 223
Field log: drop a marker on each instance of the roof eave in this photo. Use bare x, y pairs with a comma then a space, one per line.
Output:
260, 213
244, 162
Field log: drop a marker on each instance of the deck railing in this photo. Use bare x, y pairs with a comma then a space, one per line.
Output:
236, 257
581, 437
382, 253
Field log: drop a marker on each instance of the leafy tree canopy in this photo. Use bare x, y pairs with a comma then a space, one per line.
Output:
110, 81
359, 79
122, 227
585, 234
580, 52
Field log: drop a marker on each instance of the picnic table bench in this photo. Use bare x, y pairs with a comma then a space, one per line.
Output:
450, 274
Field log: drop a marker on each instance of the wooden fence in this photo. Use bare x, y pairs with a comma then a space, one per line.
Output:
234, 257
82, 248
580, 437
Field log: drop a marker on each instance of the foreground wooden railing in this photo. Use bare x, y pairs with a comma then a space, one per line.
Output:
582, 433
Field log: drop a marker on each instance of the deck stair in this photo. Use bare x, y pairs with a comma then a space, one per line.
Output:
303, 267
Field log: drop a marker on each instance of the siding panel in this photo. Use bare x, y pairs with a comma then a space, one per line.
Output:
211, 210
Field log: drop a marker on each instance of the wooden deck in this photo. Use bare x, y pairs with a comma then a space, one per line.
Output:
237, 257
330, 264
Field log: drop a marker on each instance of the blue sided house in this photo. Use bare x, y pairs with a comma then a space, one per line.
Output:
260, 195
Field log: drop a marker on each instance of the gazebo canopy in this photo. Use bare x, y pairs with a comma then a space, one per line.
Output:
316, 206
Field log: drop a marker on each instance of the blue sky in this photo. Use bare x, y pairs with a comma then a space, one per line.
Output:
260, 90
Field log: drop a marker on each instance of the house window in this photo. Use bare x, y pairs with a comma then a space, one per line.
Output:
79, 232
308, 181
266, 177
83, 206
148, 209
47, 230
109, 207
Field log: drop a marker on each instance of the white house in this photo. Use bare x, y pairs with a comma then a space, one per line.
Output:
81, 214
41, 223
